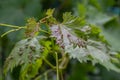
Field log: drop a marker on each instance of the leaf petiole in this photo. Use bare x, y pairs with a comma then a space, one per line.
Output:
7, 25
57, 65
12, 31
9, 32
49, 63
44, 31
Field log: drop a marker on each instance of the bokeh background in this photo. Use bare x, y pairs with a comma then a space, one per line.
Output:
103, 13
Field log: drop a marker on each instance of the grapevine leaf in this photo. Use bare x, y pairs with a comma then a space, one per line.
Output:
50, 12
49, 19
32, 27
71, 21
46, 48
64, 37
25, 52
30, 70
80, 49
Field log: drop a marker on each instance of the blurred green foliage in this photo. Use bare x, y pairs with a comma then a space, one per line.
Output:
98, 12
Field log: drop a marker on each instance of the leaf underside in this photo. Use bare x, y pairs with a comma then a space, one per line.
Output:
80, 49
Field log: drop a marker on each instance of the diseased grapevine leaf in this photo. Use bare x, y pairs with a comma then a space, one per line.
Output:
26, 53
64, 37
82, 50
73, 37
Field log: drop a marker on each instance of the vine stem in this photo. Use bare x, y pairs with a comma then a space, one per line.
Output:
46, 78
61, 75
7, 25
46, 72
44, 31
57, 66
9, 32
43, 19
12, 31
11, 26
52, 66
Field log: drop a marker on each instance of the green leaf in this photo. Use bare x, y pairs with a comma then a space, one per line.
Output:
47, 47
107, 23
82, 10
95, 3
30, 70
71, 21
50, 12
96, 17
114, 38
49, 18
25, 52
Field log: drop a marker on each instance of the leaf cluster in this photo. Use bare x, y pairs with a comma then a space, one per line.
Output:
73, 38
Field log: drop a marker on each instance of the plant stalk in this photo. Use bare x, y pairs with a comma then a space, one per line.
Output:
7, 25
57, 66
49, 63
9, 32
